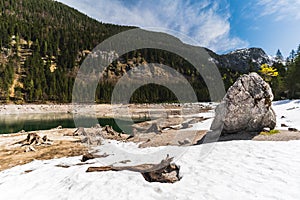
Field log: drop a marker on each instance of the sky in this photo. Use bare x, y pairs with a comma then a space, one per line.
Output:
220, 25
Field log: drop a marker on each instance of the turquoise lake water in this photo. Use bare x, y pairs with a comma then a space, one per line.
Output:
32, 122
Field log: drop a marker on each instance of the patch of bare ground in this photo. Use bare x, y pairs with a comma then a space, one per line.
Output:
283, 135
186, 138
13, 155
170, 137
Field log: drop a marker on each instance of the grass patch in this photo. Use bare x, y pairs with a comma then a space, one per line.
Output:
271, 132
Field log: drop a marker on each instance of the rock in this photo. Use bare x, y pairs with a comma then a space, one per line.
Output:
97, 126
284, 125
125, 161
95, 135
89, 137
59, 127
87, 156
78, 132
185, 142
154, 128
246, 106
142, 127
293, 129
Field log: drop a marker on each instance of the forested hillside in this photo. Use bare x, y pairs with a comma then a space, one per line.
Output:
43, 43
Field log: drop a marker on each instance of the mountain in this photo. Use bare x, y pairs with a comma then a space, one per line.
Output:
242, 60
43, 43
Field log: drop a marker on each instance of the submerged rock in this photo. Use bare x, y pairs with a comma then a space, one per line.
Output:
246, 106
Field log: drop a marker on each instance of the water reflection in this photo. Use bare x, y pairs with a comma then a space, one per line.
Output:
31, 122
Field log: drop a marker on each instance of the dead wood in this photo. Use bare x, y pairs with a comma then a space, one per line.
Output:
95, 135
79, 132
62, 166
67, 166
34, 139
292, 129
90, 156
164, 172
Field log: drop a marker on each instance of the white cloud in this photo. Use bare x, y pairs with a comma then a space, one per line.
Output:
281, 9
206, 21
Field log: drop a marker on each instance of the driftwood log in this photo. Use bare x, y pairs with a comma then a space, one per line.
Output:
164, 172
90, 156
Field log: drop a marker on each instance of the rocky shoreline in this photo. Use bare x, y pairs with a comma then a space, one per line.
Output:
108, 110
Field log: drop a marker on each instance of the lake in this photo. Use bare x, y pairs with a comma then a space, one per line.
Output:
33, 122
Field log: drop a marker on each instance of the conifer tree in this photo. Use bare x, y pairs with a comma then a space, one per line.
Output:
292, 55
298, 50
279, 56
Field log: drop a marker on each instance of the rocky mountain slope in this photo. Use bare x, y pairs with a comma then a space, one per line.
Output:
242, 60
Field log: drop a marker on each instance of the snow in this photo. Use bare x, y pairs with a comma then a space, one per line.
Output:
229, 170
240, 51
288, 113
232, 170
204, 125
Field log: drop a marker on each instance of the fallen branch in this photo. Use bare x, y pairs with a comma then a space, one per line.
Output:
164, 172
78, 164
90, 156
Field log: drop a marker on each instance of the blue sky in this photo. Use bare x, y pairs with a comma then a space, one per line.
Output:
221, 25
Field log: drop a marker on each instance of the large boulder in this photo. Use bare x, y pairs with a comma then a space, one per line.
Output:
246, 106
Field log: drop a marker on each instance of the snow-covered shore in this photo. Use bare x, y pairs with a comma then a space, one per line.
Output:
287, 113
230, 170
